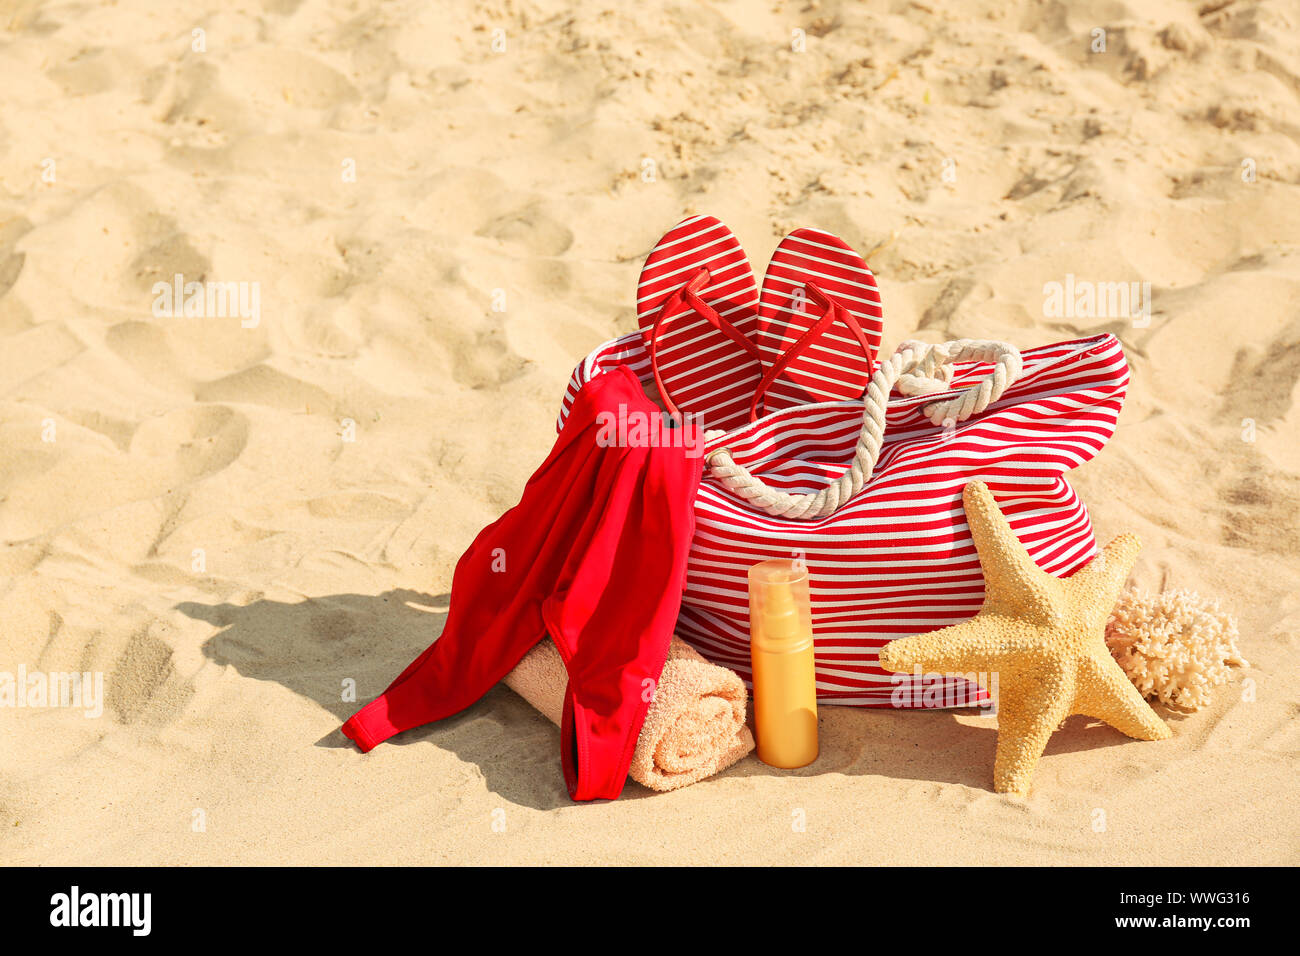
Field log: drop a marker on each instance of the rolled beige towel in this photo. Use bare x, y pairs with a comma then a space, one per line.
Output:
695, 725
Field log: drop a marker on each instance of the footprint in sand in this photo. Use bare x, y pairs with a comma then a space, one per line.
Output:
192, 442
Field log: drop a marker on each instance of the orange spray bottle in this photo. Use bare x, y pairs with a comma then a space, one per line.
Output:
781, 651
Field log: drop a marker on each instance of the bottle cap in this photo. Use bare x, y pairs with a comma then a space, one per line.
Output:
780, 610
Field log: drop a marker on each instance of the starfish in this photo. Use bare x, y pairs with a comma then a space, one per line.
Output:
1043, 638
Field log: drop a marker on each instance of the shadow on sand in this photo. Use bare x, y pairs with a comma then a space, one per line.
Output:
311, 647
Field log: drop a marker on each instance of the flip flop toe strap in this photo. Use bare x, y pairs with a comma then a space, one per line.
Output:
832, 312
689, 294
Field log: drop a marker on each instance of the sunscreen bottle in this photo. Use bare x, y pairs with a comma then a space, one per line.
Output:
781, 650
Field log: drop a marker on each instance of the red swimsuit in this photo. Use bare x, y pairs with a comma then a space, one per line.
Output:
594, 555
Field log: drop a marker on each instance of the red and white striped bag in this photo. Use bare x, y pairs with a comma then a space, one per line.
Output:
897, 557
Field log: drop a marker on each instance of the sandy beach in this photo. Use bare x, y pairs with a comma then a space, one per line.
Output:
425, 215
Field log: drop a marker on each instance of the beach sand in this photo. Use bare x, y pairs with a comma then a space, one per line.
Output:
229, 523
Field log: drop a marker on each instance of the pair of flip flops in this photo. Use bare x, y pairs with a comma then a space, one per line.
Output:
725, 353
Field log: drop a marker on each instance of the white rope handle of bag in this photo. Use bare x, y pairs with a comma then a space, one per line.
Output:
917, 369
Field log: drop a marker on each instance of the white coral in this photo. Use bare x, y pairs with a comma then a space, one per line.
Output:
1174, 646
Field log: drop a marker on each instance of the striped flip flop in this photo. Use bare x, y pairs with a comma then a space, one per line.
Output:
697, 306
815, 281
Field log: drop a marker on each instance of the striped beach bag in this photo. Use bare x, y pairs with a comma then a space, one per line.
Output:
867, 491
